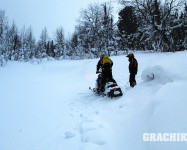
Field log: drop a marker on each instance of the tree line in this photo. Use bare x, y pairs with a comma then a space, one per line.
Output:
142, 25
154, 24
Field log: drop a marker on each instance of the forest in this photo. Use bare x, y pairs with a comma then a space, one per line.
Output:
152, 25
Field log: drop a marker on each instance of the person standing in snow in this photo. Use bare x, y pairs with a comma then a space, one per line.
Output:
133, 68
105, 64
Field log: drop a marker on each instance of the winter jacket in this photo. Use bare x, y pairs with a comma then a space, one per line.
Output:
104, 66
133, 66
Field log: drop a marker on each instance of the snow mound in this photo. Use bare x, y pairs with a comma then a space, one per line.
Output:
156, 73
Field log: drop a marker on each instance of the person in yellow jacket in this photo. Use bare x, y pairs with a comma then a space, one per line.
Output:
105, 64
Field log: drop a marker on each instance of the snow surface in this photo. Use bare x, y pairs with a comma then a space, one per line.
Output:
48, 106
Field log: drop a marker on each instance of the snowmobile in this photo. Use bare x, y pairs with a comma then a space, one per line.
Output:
111, 88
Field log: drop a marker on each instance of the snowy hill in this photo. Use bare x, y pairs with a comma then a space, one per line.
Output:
49, 106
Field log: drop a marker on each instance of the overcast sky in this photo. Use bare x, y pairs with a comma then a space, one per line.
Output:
41, 13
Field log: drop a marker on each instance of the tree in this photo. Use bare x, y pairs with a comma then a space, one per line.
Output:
50, 49
156, 12
3, 39
95, 30
42, 44
127, 26
156, 22
15, 42
89, 30
73, 45
30, 44
107, 28
59, 42
127, 21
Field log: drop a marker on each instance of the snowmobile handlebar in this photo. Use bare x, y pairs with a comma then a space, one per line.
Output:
99, 71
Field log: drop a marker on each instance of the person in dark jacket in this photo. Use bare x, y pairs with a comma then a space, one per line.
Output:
133, 68
105, 64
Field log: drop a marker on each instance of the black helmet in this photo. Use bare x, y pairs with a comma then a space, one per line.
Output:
102, 55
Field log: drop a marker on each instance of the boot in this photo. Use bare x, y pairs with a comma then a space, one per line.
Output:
102, 88
132, 84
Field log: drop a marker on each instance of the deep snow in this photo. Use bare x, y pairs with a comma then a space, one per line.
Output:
48, 106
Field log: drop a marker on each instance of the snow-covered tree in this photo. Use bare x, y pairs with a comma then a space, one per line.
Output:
156, 23
27, 50
127, 26
60, 43
50, 49
42, 44
3, 39
95, 30
88, 28
15, 42
108, 29
30, 44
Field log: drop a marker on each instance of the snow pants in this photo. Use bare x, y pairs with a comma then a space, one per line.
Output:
132, 80
106, 74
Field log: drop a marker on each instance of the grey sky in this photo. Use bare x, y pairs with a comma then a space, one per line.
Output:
41, 13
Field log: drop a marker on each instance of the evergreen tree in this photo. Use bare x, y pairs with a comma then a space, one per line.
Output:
108, 29
52, 48
28, 46
3, 37
127, 21
127, 26
15, 42
73, 44
59, 43
31, 46
42, 44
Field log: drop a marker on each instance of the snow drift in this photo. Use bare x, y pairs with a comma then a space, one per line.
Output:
156, 73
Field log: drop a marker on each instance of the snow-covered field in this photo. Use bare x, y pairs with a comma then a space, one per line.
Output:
48, 106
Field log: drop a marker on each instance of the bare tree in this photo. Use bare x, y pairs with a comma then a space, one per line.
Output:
95, 30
